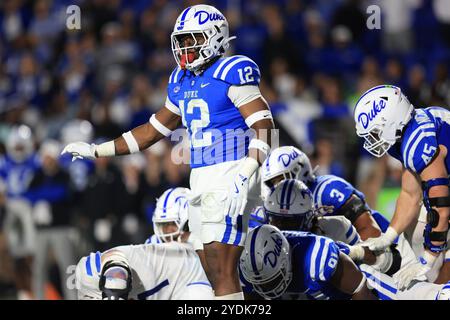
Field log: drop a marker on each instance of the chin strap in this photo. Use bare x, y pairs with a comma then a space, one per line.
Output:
433, 215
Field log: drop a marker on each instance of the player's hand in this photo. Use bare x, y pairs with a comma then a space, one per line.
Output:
356, 253
382, 242
414, 271
80, 150
237, 196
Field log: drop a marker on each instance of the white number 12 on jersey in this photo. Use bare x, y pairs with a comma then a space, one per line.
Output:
197, 124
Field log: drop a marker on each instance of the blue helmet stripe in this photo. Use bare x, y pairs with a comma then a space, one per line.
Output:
166, 200
283, 192
289, 192
183, 16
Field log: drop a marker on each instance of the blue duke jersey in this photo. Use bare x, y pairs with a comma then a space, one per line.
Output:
314, 261
210, 116
429, 128
330, 190
333, 192
18, 176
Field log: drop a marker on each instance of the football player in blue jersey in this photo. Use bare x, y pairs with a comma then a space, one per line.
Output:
420, 139
277, 262
218, 100
330, 193
290, 207
20, 162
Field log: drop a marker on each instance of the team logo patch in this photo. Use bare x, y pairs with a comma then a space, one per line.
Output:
176, 89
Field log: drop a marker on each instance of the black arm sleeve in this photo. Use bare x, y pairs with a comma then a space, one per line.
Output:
353, 208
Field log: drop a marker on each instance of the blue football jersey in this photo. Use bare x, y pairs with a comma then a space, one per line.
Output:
314, 262
18, 176
429, 128
79, 170
215, 126
329, 190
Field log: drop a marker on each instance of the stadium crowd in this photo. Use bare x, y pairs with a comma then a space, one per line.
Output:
59, 85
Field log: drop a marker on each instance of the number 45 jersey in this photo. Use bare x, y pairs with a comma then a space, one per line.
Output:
208, 106
314, 261
429, 128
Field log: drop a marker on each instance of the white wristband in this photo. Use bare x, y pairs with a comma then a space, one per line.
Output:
257, 116
391, 234
260, 145
249, 166
356, 253
106, 149
131, 142
159, 126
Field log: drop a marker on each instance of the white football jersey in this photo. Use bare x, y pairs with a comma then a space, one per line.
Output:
338, 228
165, 271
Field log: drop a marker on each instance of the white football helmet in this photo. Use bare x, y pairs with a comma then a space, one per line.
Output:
172, 206
202, 20
380, 114
289, 162
291, 199
266, 261
19, 144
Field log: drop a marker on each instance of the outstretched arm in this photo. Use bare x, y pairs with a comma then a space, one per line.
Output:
161, 124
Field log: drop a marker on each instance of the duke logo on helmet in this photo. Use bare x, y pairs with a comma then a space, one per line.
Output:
381, 114
204, 16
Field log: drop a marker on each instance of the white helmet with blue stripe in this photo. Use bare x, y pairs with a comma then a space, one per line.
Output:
172, 206
288, 162
291, 199
266, 261
380, 114
207, 29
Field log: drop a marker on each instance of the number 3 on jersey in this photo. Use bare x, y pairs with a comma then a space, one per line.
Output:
337, 194
196, 125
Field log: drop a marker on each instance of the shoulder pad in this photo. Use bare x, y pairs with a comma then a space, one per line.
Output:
323, 256
333, 191
238, 70
419, 147
175, 76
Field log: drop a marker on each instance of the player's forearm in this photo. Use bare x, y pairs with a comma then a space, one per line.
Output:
444, 273
140, 138
407, 209
263, 132
366, 226
144, 135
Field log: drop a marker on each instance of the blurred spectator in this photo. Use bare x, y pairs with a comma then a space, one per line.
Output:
351, 15
101, 203
17, 169
324, 157
50, 195
441, 9
440, 89
397, 23
418, 90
